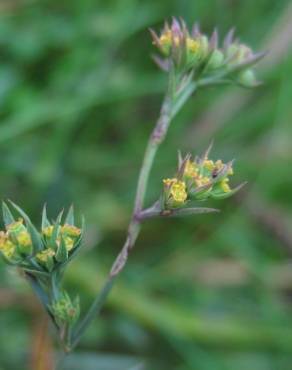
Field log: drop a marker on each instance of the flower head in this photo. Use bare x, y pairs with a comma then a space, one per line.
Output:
45, 255
7, 248
187, 51
198, 179
184, 48
175, 193
65, 310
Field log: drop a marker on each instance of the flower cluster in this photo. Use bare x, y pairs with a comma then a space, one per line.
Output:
22, 244
42, 256
198, 179
65, 310
15, 242
193, 51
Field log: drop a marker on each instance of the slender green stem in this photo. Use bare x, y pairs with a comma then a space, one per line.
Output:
172, 103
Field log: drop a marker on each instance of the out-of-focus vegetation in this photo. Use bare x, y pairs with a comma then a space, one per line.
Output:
78, 98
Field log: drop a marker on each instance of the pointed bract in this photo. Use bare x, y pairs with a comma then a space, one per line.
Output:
7, 215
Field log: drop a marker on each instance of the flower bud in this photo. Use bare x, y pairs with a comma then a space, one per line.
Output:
216, 59
7, 248
65, 310
175, 194
247, 78
238, 53
198, 179
46, 258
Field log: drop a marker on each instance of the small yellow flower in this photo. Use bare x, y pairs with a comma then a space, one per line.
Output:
24, 239
202, 180
48, 231
44, 255
193, 46
178, 191
165, 38
169, 182
69, 242
219, 164
230, 171
6, 246
191, 169
224, 185
209, 165
71, 230
16, 227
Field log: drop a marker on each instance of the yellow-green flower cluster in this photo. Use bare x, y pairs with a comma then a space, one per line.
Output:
15, 241
175, 192
22, 244
57, 237
65, 310
197, 179
176, 43
192, 50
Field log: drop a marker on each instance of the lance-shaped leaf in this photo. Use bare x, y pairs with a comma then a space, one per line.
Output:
45, 221
62, 253
50, 264
69, 220
190, 211
7, 215
154, 211
52, 242
248, 62
222, 195
228, 39
35, 236
37, 273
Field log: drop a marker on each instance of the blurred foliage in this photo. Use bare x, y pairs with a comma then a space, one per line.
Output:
78, 98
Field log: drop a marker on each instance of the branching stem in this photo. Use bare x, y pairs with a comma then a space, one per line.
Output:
174, 99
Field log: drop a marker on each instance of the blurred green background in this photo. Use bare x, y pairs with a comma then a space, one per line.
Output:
78, 98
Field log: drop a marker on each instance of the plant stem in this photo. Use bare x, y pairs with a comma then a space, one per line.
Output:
171, 105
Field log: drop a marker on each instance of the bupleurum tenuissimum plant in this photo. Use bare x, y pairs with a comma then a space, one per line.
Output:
192, 60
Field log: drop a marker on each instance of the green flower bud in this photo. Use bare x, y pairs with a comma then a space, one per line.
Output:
216, 60
65, 310
247, 78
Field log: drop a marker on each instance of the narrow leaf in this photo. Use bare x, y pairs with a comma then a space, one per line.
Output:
228, 194
35, 236
70, 216
62, 253
45, 221
191, 211
7, 215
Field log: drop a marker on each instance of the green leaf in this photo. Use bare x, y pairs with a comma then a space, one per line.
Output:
37, 273
55, 233
191, 211
45, 221
35, 236
50, 263
221, 195
70, 216
7, 215
62, 253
